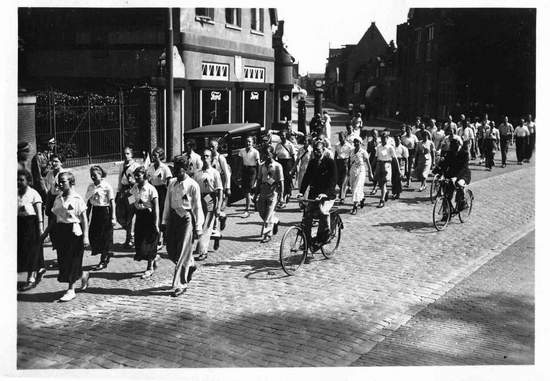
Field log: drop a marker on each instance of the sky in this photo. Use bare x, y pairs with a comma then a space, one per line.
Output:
309, 28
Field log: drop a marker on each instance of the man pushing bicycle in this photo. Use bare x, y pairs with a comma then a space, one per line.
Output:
320, 177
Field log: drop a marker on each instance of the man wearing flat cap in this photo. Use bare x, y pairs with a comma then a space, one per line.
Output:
23, 152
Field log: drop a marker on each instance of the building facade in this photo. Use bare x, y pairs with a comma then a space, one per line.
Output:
362, 77
224, 63
471, 61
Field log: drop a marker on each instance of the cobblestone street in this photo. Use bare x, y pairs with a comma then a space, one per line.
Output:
241, 310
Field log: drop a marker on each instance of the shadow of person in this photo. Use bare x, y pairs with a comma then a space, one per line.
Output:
409, 226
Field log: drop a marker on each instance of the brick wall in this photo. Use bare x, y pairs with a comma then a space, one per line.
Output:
26, 121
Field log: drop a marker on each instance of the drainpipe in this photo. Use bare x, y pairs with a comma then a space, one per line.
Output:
169, 87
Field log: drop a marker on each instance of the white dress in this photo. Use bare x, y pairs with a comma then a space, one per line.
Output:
358, 173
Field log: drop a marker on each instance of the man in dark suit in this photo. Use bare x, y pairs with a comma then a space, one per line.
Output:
321, 178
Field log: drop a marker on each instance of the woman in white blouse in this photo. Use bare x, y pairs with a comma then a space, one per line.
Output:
144, 198
70, 224
385, 153
359, 162
30, 226
100, 199
159, 175
425, 152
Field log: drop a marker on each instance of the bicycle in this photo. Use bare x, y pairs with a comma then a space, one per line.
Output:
444, 208
294, 246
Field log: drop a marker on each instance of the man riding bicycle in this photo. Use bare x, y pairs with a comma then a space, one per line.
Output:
454, 166
321, 177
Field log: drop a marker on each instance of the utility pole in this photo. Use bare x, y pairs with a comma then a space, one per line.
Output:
169, 87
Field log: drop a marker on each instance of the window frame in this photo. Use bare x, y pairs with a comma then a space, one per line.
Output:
208, 17
257, 17
429, 41
237, 17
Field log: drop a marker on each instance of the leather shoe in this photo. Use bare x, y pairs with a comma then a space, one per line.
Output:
99, 266
28, 286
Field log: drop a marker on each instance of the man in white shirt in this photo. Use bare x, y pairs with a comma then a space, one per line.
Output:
451, 124
182, 215
250, 165
521, 135
194, 161
285, 154
506, 132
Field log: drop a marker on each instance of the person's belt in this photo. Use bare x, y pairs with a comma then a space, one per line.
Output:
385, 161
250, 166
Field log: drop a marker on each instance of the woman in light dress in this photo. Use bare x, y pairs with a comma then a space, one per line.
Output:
359, 162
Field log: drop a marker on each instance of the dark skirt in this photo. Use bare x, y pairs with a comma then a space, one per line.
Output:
341, 170
396, 186
146, 236
30, 256
124, 212
70, 250
248, 178
101, 230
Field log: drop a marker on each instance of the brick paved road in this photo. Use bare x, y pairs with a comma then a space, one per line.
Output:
243, 311
488, 318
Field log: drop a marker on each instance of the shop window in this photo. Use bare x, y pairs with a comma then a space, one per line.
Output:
214, 106
254, 106
215, 71
254, 74
257, 19
205, 14
233, 16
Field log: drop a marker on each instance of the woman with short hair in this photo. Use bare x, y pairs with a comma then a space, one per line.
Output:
125, 211
358, 162
100, 199
158, 174
70, 224
385, 153
144, 198
425, 151
30, 226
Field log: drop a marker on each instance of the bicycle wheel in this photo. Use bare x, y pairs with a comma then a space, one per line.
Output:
435, 187
441, 213
329, 248
293, 251
464, 215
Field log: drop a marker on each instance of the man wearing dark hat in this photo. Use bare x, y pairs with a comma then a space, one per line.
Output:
40, 165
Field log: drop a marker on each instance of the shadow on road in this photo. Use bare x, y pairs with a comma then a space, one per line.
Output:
497, 328
409, 226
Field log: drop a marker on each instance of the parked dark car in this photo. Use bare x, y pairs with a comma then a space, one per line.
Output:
232, 138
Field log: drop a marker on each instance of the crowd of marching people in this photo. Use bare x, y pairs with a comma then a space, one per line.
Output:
182, 207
